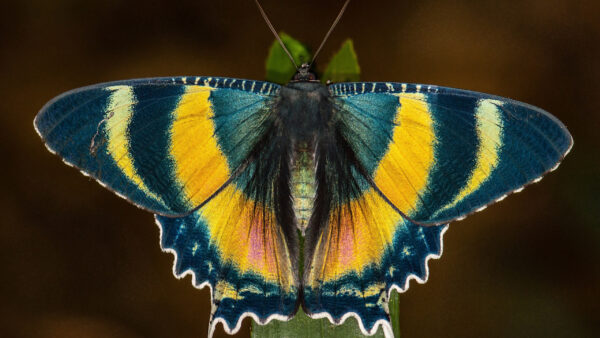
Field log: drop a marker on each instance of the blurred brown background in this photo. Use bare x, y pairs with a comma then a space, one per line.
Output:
76, 261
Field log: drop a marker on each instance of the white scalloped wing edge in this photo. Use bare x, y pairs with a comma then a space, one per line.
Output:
385, 324
214, 321
519, 189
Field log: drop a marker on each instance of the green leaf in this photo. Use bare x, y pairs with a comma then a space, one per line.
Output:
343, 66
279, 66
302, 326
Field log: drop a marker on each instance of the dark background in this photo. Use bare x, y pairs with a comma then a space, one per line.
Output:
76, 261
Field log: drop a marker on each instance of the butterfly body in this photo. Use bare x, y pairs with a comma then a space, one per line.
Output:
370, 173
305, 112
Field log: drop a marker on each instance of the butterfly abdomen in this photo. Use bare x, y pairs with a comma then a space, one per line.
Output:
303, 183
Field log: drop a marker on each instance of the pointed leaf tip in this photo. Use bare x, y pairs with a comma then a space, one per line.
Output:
279, 68
343, 66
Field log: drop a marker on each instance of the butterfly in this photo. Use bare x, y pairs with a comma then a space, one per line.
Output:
239, 173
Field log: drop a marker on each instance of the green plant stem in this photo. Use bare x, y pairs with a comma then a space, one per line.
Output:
302, 326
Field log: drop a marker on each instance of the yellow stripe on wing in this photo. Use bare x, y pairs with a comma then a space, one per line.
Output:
356, 237
489, 133
201, 167
403, 171
117, 118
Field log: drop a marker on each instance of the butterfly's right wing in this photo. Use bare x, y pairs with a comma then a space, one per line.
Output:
358, 248
399, 156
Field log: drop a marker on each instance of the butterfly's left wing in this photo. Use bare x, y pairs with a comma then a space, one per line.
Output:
203, 148
166, 145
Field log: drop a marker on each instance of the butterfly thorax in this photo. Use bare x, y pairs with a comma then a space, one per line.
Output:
304, 110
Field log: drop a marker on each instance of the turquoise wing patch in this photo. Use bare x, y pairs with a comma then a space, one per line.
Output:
165, 144
438, 154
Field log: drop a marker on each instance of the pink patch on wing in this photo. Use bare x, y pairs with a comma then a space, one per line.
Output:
345, 241
260, 242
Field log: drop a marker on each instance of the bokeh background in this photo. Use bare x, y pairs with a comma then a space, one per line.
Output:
76, 261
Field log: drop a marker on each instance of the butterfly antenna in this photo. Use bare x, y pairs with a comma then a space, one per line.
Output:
264, 15
330, 30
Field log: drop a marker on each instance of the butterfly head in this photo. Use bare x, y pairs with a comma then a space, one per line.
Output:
304, 74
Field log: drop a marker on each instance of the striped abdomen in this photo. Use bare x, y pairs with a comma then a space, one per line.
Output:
303, 184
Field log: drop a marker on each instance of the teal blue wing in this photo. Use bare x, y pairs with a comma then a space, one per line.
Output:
204, 149
438, 154
406, 156
165, 144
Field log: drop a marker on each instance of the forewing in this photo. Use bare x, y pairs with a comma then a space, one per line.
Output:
165, 144
438, 154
